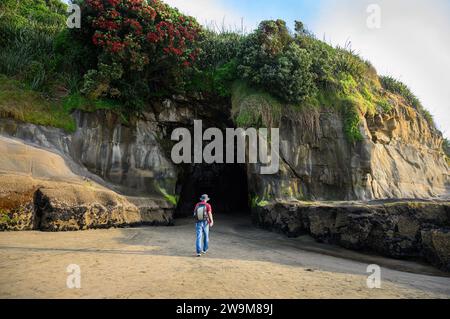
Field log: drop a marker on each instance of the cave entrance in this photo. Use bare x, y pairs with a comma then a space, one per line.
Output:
226, 185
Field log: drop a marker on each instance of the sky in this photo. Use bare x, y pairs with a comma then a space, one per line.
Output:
410, 39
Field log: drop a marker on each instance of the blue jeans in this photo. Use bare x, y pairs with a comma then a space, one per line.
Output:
202, 230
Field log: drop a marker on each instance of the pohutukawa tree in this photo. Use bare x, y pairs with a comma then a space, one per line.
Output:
141, 46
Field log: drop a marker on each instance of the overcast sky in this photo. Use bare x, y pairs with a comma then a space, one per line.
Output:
412, 43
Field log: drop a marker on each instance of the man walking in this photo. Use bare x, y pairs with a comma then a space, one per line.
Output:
204, 220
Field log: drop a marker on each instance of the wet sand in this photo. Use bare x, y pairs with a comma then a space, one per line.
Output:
243, 262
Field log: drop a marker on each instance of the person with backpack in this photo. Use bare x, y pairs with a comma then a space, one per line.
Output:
204, 220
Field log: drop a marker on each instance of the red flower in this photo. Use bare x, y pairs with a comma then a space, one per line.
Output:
95, 4
114, 3
97, 38
177, 51
114, 14
149, 12
153, 37
135, 25
116, 46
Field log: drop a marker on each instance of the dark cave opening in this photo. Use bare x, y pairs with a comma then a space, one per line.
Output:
226, 185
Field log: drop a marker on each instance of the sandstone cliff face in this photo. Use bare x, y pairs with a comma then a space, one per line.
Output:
129, 158
102, 151
406, 157
125, 158
400, 156
39, 191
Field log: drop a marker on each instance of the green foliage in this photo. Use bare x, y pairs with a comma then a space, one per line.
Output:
131, 51
172, 199
27, 31
223, 78
142, 47
217, 49
322, 59
30, 57
72, 59
395, 86
255, 201
254, 108
271, 60
79, 102
346, 61
19, 102
351, 121
41, 16
216, 67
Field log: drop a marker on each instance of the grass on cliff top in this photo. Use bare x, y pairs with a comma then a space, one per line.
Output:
20, 103
256, 108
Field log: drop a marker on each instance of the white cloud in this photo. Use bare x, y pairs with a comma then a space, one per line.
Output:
211, 13
413, 45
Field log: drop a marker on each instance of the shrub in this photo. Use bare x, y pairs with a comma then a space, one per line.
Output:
44, 16
346, 61
73, 59
271, 60
149, 42
216, 67
322, 59
224, 77
217, 49
27, 31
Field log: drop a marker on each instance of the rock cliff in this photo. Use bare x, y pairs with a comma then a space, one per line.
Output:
399, 156
134, 181
39, 191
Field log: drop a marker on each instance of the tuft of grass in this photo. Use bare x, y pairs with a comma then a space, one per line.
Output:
352, 121
78, 102
257, 202
172, 199
19, 102
254, 108
395, 86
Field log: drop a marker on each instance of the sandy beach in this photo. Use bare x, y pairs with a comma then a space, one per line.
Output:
243, 262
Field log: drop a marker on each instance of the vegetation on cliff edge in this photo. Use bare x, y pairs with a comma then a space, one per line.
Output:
132, 51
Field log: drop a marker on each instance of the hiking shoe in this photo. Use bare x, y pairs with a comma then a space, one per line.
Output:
199, 255
204, 252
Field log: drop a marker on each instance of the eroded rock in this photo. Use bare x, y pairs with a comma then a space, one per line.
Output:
397, 229
39, 191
